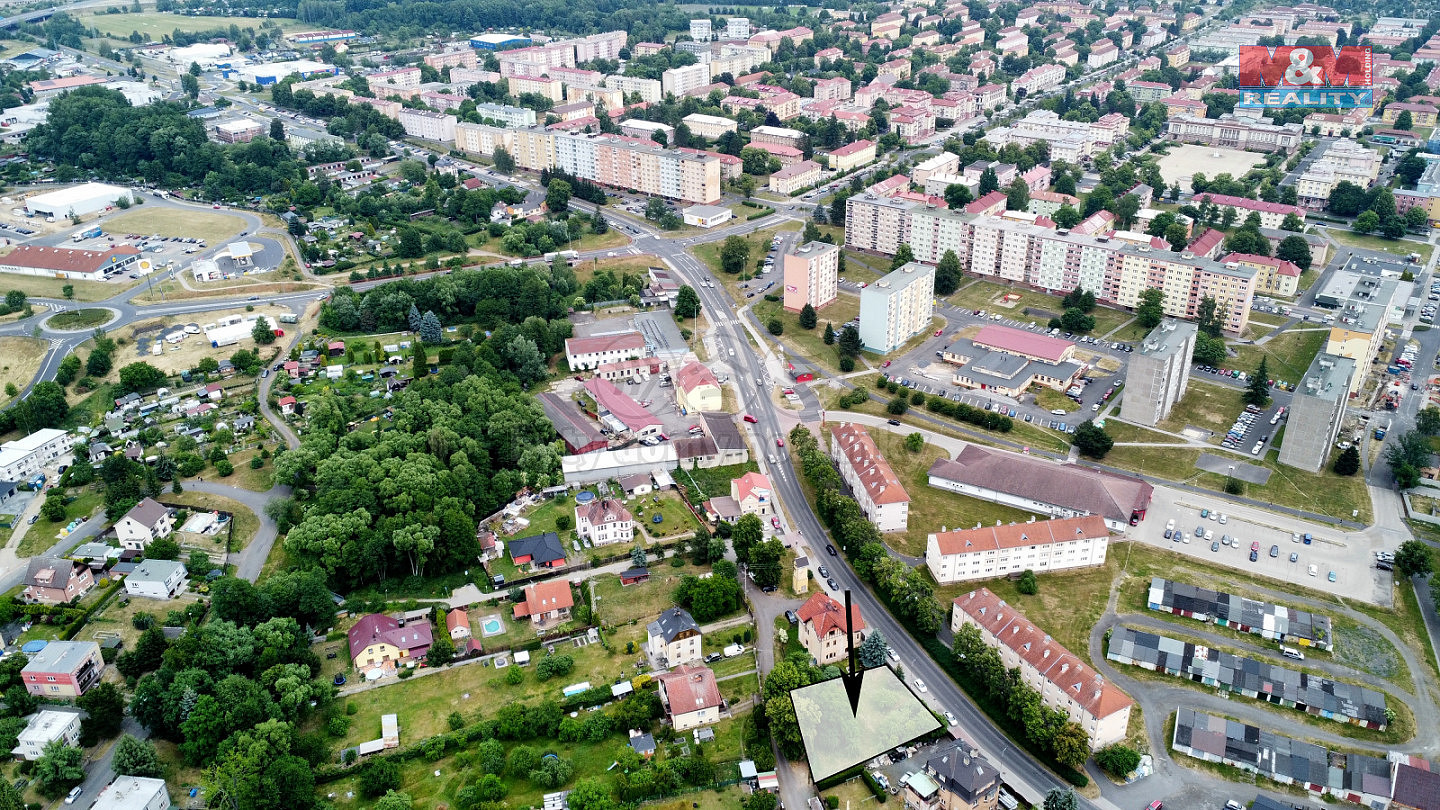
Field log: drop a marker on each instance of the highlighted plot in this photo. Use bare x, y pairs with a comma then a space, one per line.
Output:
887, 715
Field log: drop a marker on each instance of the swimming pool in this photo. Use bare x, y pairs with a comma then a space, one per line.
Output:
492, 626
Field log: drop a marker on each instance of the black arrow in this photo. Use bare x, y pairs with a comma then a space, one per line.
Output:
856, 676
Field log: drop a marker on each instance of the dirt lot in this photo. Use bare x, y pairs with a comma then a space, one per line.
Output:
147, 220
21, 359
187, 353
1185, 160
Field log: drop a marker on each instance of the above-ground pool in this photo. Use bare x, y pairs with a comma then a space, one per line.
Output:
491, 626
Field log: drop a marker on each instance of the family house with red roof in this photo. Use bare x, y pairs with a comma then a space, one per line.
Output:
1063, 680
457, 624
546, 604
381, 642
753, 494
822, 629
690, 696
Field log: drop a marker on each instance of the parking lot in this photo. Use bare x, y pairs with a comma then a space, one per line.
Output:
1351, 556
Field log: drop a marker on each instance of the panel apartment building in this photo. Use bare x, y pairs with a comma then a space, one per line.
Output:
811, 276
988, 552
1316, 410
876, 223
621, 162
1115, 270
897, 307
1159, 373
873, 483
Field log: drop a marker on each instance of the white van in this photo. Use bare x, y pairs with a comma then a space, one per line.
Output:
1291, 652
733, 650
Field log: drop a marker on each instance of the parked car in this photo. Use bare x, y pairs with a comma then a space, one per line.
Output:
920, 685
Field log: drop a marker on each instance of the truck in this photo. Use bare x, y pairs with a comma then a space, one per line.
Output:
87, 234
289, 317
1381, 430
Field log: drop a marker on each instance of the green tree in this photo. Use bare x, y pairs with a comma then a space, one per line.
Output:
734, 254
68, 291
441, 652
10, 798
1074, 320
1017, 196
1427, 421
687, 303
395, 801
915, 442
903, 256
136, 757
1257, 389
948, 274
504, 161
1209, 317
141, 378
263, 333
1118, 759
1348, 462
871, 652
1177, 237
1092, 440
775, 326
58, 769
747, 534
162, 548
808, 318
1367, 222
557, 196
1413, 559
1150, 309
1061, 799
190, 85
1027, 583
1406, 456
1066, 216
1405, 121
829, 337
18, 701
1296, 250
1291, 222
849, 342
105, 705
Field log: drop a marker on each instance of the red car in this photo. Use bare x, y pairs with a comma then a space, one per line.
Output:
1155, 805
748, 418
779, 442
775, 521
939, 332
886, 364
1255, 546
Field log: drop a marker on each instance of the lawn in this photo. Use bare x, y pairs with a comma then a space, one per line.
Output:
863, 266
154, 25
677, 519
1126, 432
759, 241
1023, 433
246, 521
1400, 248
1287, 355
713, 482
986, 295
77, 319
616, 605
932, 509
36, 286
1205, 405
260, 480
810, 343
23, 356
1052, 400
116, 618
41, 536
164, 221
635, 265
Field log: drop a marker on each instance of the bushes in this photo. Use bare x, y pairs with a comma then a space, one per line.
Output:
959, 411
875, 787
1117, 759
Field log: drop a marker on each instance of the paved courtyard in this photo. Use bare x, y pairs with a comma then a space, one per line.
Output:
1185, 160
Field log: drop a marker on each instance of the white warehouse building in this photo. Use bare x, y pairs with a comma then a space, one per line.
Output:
79, 200
230, 330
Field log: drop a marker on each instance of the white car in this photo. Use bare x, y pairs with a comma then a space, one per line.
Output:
920, 685
1222, 518
1170, 525
950, 719
74, 794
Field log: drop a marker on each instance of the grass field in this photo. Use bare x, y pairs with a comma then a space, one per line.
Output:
617, 605
1205, 405
986, 295
35, 286
759, 242
246, 522
22, 358
676, 519
154, 25
932, 508
1399, 248
146, 220
1287, 355
810, 343
80, 319
1126, 432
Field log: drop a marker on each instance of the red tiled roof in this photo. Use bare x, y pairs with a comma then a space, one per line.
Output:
826, 616
1016, 341
623, 340
690, 688
880, 481
544, 597
457, 618
1281, 266
985, 203
1069, 674
693, 375
750, 482
852, 148
1253, 205
1043, 532
66, 260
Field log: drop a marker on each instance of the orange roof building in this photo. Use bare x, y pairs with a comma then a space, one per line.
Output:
546, 603
874, 484
1063, 680
690, 695
997, 551
822, 628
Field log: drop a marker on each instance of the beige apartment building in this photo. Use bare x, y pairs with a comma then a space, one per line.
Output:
482, 139
621, 162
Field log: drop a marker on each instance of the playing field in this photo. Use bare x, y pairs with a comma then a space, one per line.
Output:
147, 220
1185, 160
153, 24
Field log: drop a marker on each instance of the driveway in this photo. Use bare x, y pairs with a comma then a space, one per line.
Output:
251, 560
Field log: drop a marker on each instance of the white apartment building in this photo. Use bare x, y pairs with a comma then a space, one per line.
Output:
620, 162
700, 30
23, 458
1071, 141
897, 307
432, 126
133, 793
650, 90
996, 551
507, 115
1063, 681
604, 521
737, 28
482, 138
945, 163
1040, 79
640, 128
1159, 373
680, 80
811, 276
872, 482
709, 127
44, 727
1342, 160
586, 354
877, 224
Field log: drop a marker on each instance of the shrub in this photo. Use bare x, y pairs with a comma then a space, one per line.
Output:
1027, 583
1117, 759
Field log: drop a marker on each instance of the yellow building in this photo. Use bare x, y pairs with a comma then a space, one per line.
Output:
852, 156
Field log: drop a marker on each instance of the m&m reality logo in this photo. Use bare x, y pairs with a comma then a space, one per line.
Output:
1305, 76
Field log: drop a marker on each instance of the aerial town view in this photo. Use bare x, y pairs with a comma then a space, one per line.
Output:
621, 404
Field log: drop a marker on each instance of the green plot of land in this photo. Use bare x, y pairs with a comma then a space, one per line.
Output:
617, 604
154, 25
888, 714
1398, 248
75, 319
992, 297
759, 242
36, 286
1207, 406
810, 343
675, 518
1287, 355
704, 484
1126, 432
210, 227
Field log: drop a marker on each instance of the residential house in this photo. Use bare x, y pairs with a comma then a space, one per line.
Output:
157, 579
696, 388
822, 629
965, 778
538, 551
457, 623
546, 604
753, 494
146, 522
64, 669
133, 793
674, 638
871, 480
287, 404
53, 581
380, 641
604, 521
690, 696
43, 728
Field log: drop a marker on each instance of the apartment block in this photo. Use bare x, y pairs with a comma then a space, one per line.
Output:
877, 224
482, 139
432, 126
1273, 276
1364, 305
1342, 160
507, 115
987, 552
407, 78
852, 156
795, 177
1315, 412
944, 163
650, 90
1272, 215
897, 307
872, 482
700, 30
1040, 79
737, 28
553, 89
681, 80
623, 162
1063, 680
1159, 373
461, 58
810, 276
1234, 132
835, 89
780, 136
